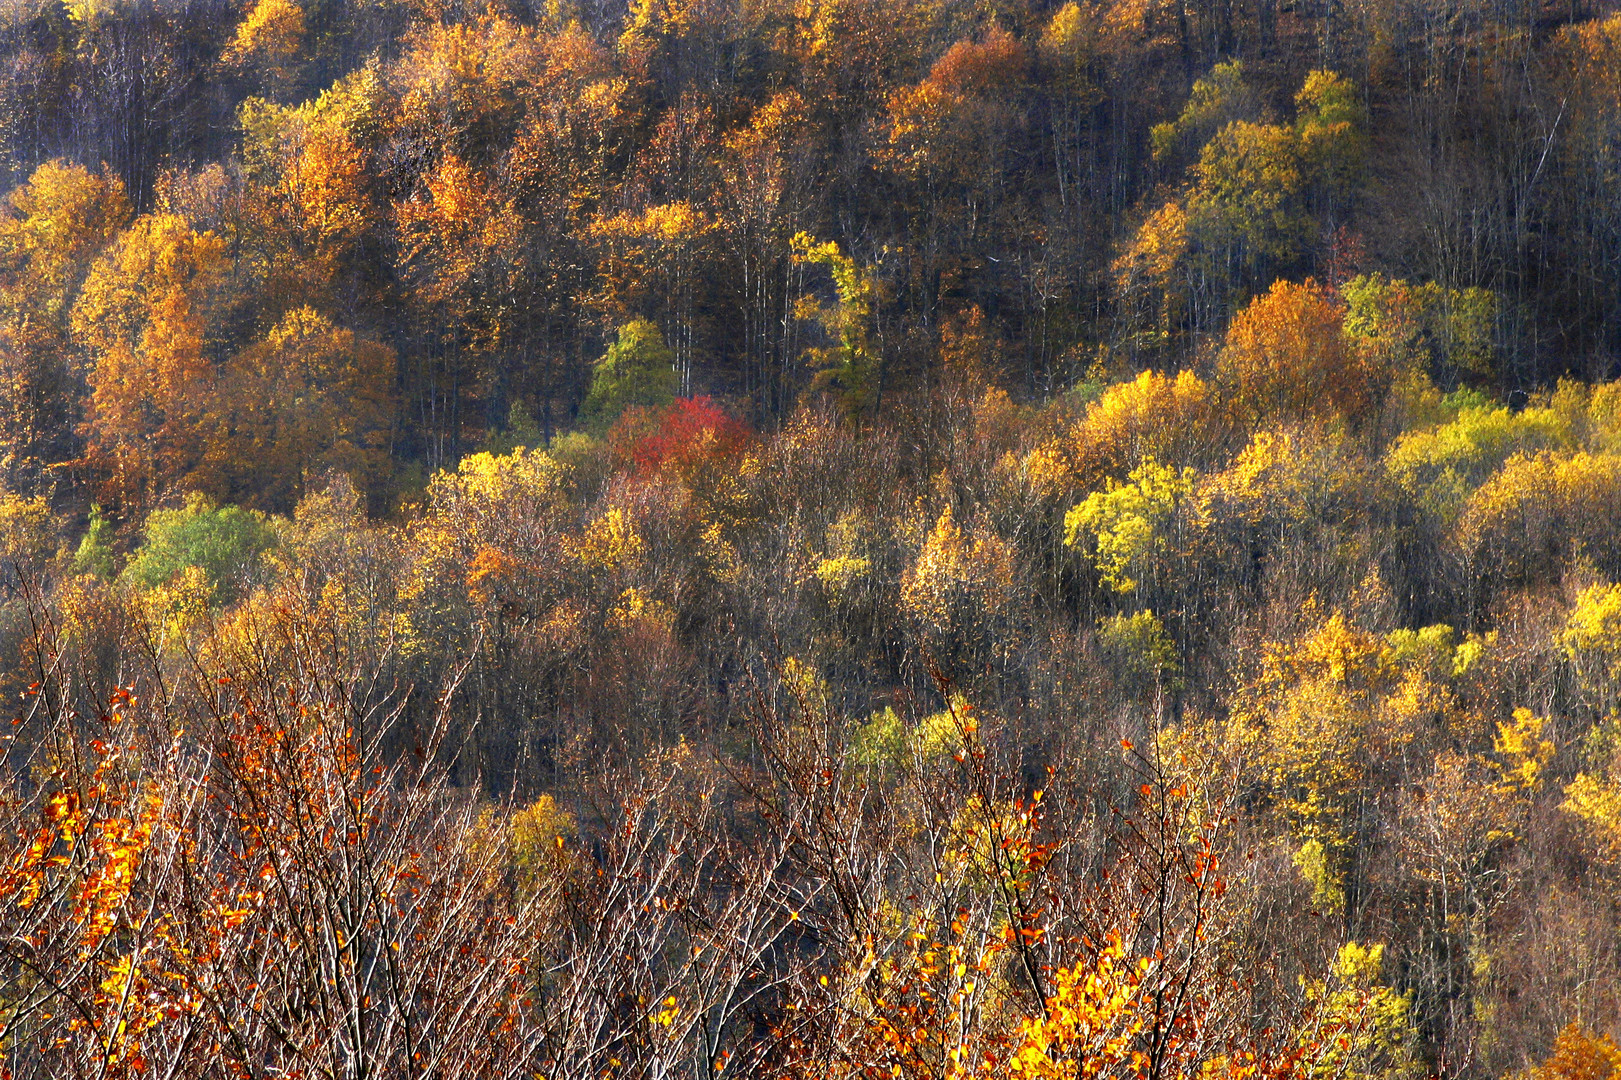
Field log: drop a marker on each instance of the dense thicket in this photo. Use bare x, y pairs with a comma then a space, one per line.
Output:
840, 538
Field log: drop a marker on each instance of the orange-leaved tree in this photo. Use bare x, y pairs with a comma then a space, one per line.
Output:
1287, 357
968, 930
142, 320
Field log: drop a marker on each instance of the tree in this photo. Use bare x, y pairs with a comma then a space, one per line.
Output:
94, 554
1286, 357
267, 42
225, 543
764, 184
1331, 129
492, 537
1311, 709
959, 582
1579, 1054
1440, 466
851, 367
57, 225
1220, 98
1155, 280
692, 437
1592, 642
1538, 513
310, 399
947, 140
654, 260
270, 892
638, 370
142, 320
1257, 197
1174, 419
1451, 332
1133, 527
462, 247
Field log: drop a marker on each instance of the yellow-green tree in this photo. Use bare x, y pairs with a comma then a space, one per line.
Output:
852, 366
1134, 529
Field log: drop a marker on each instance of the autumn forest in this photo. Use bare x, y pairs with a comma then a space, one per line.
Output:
799, 539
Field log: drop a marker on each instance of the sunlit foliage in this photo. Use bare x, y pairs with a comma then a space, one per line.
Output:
871, 539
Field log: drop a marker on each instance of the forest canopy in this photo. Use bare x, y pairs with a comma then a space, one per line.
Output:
882, 539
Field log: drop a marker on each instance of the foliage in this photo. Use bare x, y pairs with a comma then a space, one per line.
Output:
1443, 329
1442, 465
1331, 126
692, 433
1380, 1034
1132, 525
832, 538
308, 400
157, 950
851, 366
1255, 188
958, 578
94, 554
1139, 649
1538, 509
637, 370
26, 528
1173, 419
1578, 1054
142, 318
1283, 481
1218, 99
1525, 754
1286, 357
1592, 641
225, 543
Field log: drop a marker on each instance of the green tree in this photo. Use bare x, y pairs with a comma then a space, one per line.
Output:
224, 542
1141, 654
1132, 526
94, 554
1220, 98
1451, 332
637, 370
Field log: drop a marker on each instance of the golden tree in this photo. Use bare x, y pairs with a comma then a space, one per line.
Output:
142, 319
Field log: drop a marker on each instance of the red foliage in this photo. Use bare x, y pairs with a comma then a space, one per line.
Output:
686, 436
